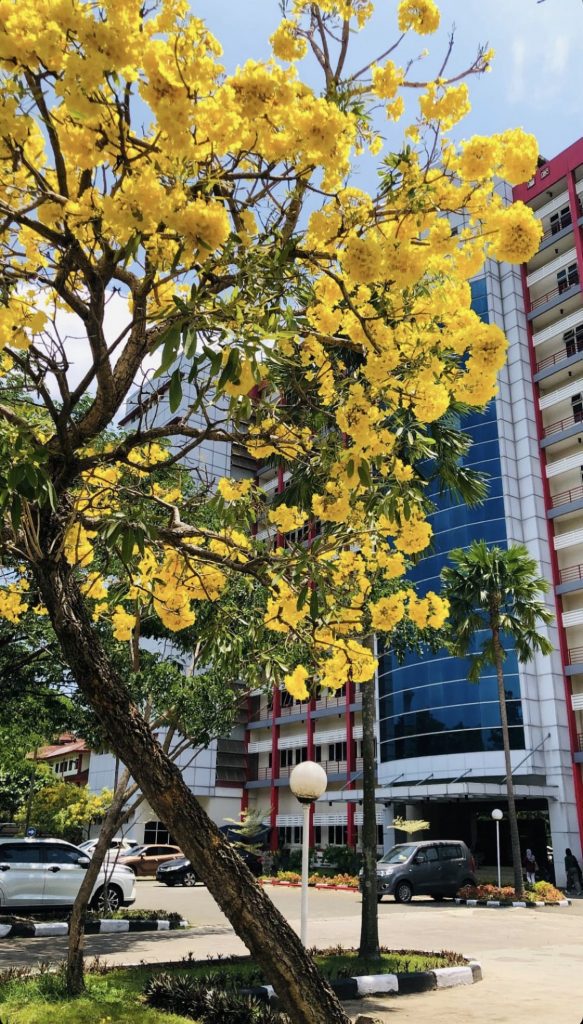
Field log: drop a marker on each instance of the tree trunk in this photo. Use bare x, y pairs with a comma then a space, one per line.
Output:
369, 925
74, 973
304, 994
512, 818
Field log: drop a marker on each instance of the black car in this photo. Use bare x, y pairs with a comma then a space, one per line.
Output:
181, 872
177, 872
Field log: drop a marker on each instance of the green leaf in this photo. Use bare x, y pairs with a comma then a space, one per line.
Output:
127, 545
171, 342
175, 393
314, 604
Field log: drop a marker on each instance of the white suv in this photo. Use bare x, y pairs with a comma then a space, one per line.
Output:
43, 873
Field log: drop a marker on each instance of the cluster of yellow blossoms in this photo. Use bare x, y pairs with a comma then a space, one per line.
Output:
371, 318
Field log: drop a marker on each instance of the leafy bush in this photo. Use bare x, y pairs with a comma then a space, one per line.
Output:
350, 880
202, 1000
344, 858
288, 876
507, 894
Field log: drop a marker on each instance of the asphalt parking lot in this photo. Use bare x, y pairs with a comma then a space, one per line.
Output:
531, 960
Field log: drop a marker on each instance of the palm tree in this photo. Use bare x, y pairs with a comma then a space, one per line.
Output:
497, 591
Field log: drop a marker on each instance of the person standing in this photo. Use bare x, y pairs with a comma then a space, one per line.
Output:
573, 872
530, 867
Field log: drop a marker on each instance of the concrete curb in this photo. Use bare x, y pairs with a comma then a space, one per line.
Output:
107, 926
390, 984
516, 903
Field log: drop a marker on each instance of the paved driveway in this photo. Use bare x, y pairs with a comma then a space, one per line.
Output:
532, 960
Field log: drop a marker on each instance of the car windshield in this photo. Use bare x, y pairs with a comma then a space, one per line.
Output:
135, 850
398, 855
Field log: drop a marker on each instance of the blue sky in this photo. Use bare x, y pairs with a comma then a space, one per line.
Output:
536, 81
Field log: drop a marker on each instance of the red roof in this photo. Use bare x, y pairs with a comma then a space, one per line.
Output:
59, 750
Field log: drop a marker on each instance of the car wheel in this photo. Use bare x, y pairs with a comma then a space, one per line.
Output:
403, 892
107, 900
189, 878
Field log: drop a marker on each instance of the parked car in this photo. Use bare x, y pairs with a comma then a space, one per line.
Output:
115, 844
181, 872
434, 868
145, 860
177, 872
42, 873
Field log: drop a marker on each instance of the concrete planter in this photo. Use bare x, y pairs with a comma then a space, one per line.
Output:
44, 929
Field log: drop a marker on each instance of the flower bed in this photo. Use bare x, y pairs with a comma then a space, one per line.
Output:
318, 881
541, 892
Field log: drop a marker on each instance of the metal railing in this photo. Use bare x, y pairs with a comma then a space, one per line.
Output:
580, 741
264, 715
565, 497
540, 301
330, 767
571, 573
557, 227
557, 357
564, 424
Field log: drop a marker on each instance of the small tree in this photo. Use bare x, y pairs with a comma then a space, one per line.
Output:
497, 592
65, 810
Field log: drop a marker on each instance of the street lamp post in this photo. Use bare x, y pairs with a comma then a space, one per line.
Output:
307, 782
497, 816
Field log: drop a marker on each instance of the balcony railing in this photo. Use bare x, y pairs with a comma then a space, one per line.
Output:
575, 655
580, 741
330, 767
557, 357
265, 713
564, 424
540, 301
558, 226
565, 497
571, 573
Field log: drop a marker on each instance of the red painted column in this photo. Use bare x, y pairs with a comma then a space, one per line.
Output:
274, 791
575, 214
350, 764
563, 646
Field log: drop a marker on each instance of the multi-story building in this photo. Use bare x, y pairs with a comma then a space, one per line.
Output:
69, 757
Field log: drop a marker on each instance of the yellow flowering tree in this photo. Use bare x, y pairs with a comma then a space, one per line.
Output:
158, 209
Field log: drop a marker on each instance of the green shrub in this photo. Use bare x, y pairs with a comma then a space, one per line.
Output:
346, 860
204, 1001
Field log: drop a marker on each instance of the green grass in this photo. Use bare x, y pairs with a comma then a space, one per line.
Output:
113, 997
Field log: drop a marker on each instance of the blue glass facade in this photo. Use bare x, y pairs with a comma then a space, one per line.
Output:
427, 706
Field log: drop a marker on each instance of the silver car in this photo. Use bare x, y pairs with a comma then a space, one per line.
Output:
436, 868
42, 873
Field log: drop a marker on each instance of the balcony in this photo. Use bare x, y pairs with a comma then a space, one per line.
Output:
567, 352
265, 773
580, 742
571, 573
564, 221
333, 702
566, 497
554, 293
575, 655
564, 424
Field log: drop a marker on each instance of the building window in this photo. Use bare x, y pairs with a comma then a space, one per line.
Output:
290, 835
574, 340
288, 758
156, 832
560, 220
337, 835
337, 751
317, 835
577, 407
567, 277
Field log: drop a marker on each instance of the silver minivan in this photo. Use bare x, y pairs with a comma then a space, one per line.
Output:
435, 868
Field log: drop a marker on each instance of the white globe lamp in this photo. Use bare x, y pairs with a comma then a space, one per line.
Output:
307, 782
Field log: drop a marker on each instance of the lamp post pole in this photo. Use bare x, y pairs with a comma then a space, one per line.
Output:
497, 816
307, 782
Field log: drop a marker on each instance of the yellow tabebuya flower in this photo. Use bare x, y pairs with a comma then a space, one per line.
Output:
234, 490
287, 517
123, 623
295, 683
286, 43
420, 15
